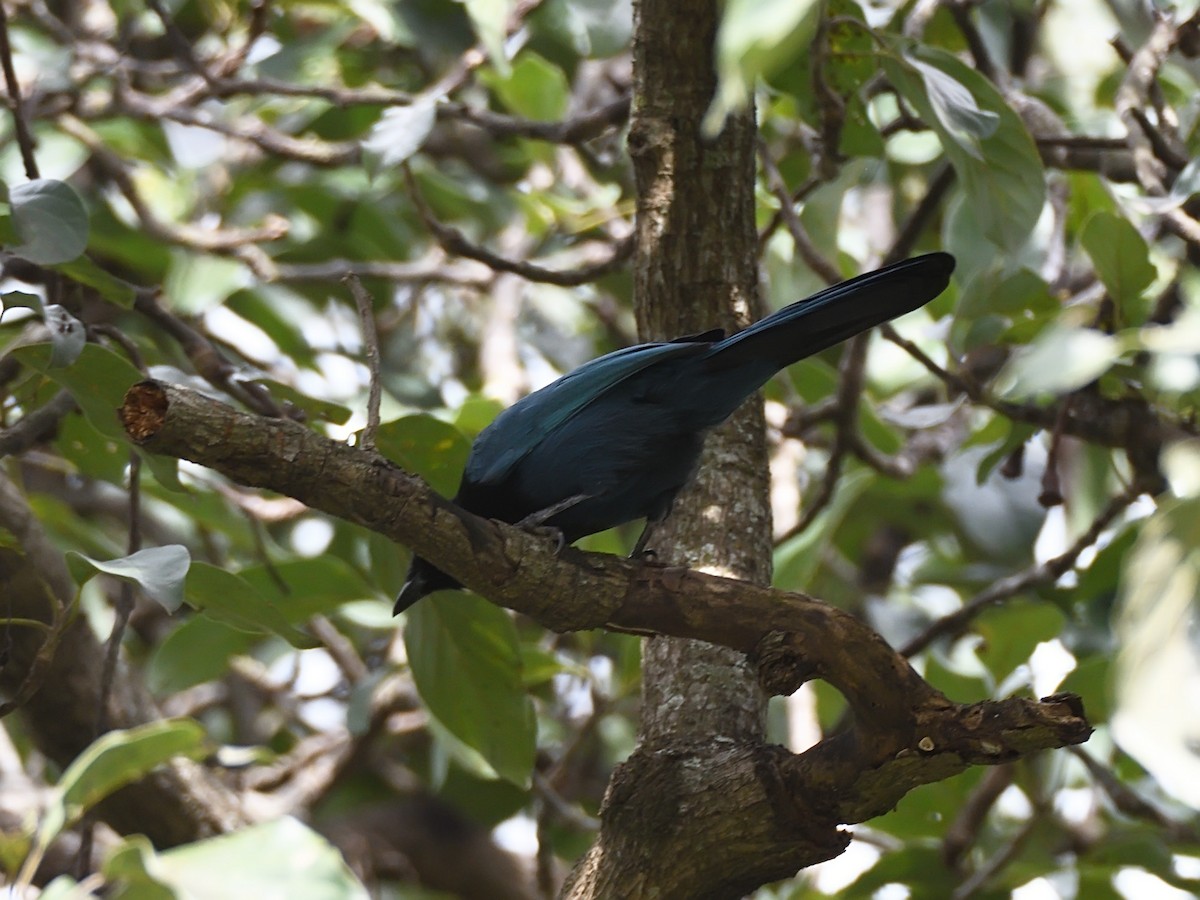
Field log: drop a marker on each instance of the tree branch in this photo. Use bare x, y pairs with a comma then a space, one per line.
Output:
906, 733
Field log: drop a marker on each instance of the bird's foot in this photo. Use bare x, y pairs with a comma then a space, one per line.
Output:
547, 531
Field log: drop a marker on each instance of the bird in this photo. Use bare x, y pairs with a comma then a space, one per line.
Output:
618, 438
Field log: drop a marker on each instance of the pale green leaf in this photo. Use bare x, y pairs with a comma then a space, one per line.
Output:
755, 39
158, 571
50, 220
279, 859
1061, 360
1122, 261
1000, 169
399, 133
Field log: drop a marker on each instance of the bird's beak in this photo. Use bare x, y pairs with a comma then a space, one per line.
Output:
414, 589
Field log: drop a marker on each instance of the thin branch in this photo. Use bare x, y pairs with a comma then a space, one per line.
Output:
920, 218
850, 386
804, 246
179, 43
961, 13
39, 425
370, 335
1132, 804
432, 269
454, 241
1036, 576
236, 242
964, 829
1134, 95
13, 86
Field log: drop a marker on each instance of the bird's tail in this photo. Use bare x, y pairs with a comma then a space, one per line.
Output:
835, 314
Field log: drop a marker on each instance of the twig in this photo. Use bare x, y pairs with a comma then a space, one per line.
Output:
207, 358
433, 269
20, 126
366, 317
454, 241
1132, 804
964, 830
804, 246
179, 43
961, 13
340, 650
998, 861
1043, 573
37, 426
236, 242
921, 216
850, 388
1134, 94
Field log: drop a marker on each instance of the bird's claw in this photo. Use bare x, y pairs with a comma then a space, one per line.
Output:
546, 531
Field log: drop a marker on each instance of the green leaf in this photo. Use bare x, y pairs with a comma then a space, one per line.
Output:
19, 300
756, 38
993, 292
97, 380
1061, 360
229, 598
596, 29
158, 571
400, 132
535, 89
50, 220
92, 454
914, 864
467, 667
797, 560
427, 447
108, 286
301, 588
1122, 261
1000, 170
490, 18
198, 650
283, 858
1012, 632
112, 761
1091, 680
955, 108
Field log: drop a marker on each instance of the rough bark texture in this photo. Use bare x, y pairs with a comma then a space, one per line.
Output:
695, 268
694, 788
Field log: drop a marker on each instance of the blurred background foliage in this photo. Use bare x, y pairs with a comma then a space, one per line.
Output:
1013, 499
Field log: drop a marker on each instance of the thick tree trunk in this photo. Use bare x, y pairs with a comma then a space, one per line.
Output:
696, 268
668, 822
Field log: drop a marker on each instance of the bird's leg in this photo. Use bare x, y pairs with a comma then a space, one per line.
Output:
639, 549
535, 521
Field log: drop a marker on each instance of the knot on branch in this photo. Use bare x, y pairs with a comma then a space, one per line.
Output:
781, 670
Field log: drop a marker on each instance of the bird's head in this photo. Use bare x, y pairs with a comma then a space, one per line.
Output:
423, 578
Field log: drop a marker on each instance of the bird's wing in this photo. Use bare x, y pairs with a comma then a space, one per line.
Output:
525, 424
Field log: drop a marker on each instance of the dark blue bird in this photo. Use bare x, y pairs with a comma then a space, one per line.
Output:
618, 438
